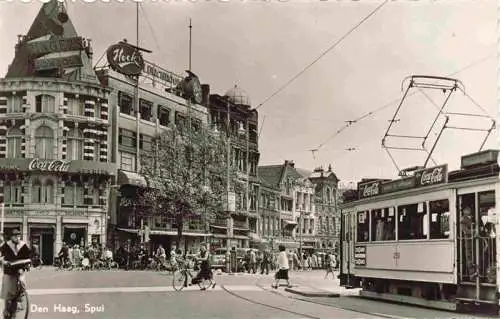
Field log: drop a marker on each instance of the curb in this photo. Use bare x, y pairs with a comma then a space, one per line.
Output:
313, 293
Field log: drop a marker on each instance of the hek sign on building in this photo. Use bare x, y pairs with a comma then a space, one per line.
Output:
125, 59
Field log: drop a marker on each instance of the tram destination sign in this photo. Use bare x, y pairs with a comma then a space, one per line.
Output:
360, 255
398, 185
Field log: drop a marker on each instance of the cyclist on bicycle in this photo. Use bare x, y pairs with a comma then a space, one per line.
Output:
205, 272
64, 255
13, 250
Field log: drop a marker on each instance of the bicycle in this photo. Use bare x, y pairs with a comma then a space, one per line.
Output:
183, 275
18, 305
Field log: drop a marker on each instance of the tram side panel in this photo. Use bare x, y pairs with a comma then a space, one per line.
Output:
348, 253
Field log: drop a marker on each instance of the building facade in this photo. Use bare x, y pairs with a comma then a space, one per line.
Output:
55, 165
296, 224
241, 228
135, 127
326, 202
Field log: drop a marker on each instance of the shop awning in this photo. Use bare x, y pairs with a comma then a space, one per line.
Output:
166, 232
131, 178
290, 223
254, 237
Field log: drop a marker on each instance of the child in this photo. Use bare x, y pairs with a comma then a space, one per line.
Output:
282, 268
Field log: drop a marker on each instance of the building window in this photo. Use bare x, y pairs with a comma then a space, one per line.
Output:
127, 161
412, 221
439, 219
48, 192
36, 194
127, 138
44, 142
45, 103
15, 104
196, 123
75, 144
125, 102
253, 136
363, 226
146, 143
13, 192
383, 224
14, 140
180, 121
73, 194
76, 107
146, 109
163, 115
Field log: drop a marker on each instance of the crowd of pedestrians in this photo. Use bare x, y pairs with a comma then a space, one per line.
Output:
91, 257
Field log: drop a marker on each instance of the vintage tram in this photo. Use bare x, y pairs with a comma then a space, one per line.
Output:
427, 239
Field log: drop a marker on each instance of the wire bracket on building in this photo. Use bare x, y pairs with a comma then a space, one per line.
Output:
425, 83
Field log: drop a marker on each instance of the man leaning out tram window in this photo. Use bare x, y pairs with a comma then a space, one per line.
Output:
11, 251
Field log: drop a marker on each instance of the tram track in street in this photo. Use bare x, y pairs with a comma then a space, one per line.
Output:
305, 299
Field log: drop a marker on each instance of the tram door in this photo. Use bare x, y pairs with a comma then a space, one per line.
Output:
477, 246
348, 236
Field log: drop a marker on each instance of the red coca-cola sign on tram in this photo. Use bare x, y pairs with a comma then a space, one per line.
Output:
125, 59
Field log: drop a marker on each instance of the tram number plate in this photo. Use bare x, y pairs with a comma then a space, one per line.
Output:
360, 256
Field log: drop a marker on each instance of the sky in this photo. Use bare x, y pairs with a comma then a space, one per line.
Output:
261, 45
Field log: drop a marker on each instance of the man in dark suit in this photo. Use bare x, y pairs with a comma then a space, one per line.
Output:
13, 250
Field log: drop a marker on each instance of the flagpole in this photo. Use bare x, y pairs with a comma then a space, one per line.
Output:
2, 207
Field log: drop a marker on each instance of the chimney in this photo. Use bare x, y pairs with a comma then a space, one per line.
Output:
289, 163
205, 91
329, 167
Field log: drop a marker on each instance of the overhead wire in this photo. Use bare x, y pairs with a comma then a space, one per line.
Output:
331, 47
152, 30
397, 100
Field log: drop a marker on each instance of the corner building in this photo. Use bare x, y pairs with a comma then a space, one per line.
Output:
55, 171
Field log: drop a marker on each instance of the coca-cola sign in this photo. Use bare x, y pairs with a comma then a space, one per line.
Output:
48, 165
125, 59
432, 176
369, 189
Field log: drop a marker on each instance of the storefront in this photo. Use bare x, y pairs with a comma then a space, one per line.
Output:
44, 235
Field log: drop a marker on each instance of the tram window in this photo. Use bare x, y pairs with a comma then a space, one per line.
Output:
363, 226
486, 213
383, 224
411, 221
440, 219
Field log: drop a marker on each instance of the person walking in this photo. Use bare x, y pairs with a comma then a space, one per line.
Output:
266, 260
283, 268
330, 265
253, 262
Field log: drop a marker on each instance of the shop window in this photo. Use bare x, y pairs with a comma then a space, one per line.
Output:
363, 226
127, 161
163, 115
74, 144
146, 143
439, 219
127, 138
15, 104
44, 142
383, 224
45, 103
412, 221
146, 109
14, 140
13, 192
36, 193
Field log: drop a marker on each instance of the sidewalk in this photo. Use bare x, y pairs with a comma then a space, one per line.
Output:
314, 284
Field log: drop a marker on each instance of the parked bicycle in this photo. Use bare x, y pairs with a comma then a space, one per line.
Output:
18, 305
